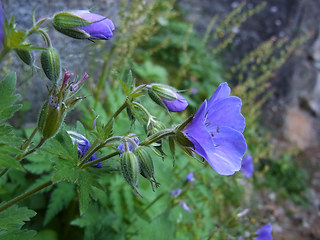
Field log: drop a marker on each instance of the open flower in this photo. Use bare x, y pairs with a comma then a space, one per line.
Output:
83, 146
89, 26
216, 131
247, 166
264, 233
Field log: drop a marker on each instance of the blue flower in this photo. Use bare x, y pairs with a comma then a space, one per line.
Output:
100, 27
184, 206
130, 147
176, 192
247, 166
264, 233
216, 131
190, 177
83, 146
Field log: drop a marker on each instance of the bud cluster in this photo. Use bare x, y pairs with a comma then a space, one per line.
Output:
60, 100
135, 160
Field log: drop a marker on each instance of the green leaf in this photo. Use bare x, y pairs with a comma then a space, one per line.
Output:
11, 221
7, 97
84, 190
60, 198
9, 148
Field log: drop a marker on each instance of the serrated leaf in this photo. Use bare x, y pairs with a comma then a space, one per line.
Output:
14, 217
17, 235
84, 191
9, 148
60, 198
7, 99
130, 82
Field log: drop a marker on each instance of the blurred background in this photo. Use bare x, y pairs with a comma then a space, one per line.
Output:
268, 52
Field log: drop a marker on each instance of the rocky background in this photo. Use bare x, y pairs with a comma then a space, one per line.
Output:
293, 112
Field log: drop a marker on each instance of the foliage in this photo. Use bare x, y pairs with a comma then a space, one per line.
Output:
51, 176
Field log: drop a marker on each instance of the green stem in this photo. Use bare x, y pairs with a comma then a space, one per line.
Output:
91, 151
158, 136
104, 75
26, 143
3, 53
25, 195
115, 115
21, 156
100, 160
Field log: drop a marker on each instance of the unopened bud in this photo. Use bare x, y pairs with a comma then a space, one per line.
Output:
146, 165
50, 119
167, 97
26, 56
50, 62
83, 25
130, 168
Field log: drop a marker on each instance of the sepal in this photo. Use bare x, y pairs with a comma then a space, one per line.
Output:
130, 168
50, 62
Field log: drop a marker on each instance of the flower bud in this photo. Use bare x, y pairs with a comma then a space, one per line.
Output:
130, 168
83, 24
50, 119
26, 56
50, 62
167, 97
145, 163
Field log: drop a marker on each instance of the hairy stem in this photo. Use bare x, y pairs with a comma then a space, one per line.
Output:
25, 195
100, 160
21, 156
27, 142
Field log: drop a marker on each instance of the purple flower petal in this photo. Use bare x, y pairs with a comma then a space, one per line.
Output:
230, 147
226, 112
264, 233
185, 206
198, 134
247, 166
223, 91
100, 28
176, 105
